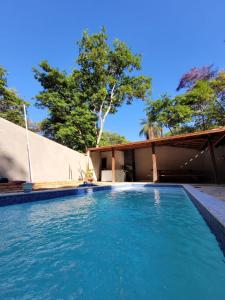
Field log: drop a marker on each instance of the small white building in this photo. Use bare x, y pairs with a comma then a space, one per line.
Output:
192, 157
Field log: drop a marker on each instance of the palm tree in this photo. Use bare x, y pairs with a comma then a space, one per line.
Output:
150, 129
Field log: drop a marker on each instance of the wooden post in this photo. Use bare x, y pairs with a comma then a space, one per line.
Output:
154, 164
100, 167
88, 160
133, 165
213, 159
113, 166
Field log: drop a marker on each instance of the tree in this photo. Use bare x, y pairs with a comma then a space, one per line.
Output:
218, 110
150, 130
206, 97
108, 76
69, 121
11, 105
200, 107
201, 100
169, 112
79, 103
112, 138
189, 79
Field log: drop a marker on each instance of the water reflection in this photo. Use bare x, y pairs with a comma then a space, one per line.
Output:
157, 197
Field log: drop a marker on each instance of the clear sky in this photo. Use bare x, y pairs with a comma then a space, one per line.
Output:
172, 36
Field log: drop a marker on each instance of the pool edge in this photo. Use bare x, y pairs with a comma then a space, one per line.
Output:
212, 210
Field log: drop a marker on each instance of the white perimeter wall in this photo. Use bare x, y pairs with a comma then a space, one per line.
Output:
50, 160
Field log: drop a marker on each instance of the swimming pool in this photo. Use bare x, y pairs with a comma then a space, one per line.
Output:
125, 243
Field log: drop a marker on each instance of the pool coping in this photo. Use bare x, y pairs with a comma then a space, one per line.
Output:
211, 208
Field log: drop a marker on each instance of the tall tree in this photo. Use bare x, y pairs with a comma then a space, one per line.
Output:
79, 103
150, 129
108, 76
11, 105
69, 121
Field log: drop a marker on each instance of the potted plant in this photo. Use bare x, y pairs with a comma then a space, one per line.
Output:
89, 175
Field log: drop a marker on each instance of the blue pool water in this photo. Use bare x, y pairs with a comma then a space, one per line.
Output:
145, 243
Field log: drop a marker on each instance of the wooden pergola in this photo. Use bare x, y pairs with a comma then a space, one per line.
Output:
198, 141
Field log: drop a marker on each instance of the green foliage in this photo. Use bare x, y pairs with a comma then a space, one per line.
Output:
168, 112
218, 109
201, 107
112, 138
106, 76
150, 129
70, 121
11, 105
78, 103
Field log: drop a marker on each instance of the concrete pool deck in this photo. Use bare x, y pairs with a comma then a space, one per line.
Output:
215, 190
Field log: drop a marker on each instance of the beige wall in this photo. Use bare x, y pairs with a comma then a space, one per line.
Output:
172, 158
50, 160
143, 164
220, 162
119, 157
95, 161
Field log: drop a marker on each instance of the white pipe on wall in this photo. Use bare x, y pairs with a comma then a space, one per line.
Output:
28, 144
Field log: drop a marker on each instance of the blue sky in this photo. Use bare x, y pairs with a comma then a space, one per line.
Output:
171, 35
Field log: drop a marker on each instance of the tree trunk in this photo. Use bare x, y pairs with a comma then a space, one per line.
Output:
102, 123
99, 135
102, 118
151, 133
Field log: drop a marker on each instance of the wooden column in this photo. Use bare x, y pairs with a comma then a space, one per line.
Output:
154, 164
213, 159
113, 166
133, 165
88, 160
100, 167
